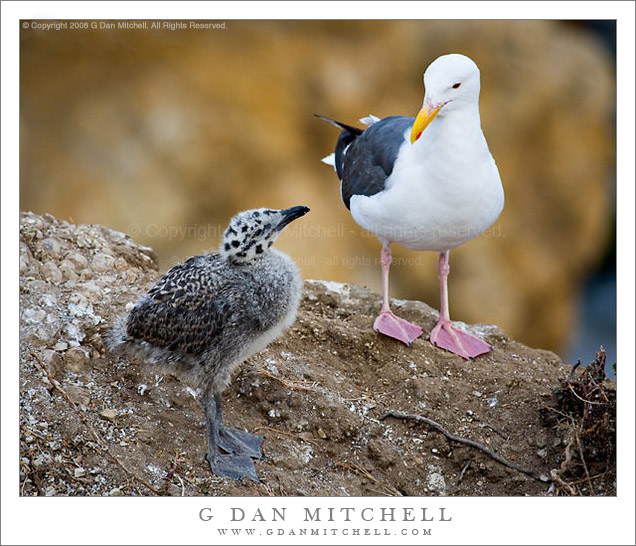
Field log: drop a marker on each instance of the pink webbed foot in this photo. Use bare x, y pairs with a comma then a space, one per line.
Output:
446, 336
390, 325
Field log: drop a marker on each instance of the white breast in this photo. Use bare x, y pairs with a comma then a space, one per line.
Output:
443, 191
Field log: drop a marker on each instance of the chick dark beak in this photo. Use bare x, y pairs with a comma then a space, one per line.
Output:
289, 215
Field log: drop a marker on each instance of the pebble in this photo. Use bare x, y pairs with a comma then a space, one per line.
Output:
75, 335
79, 395
75, 359
50, 357
109, 414
60, 345
102, 263
68, 270
77, 260
33, 316
25, 257
435, 479
51, 246
50, 272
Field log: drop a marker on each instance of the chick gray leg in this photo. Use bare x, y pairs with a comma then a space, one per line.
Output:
234, 440
223, 465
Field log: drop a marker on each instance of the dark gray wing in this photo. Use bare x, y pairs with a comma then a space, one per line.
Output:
185, 310
369, 160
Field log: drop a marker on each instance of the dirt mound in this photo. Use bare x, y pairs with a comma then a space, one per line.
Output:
325, 396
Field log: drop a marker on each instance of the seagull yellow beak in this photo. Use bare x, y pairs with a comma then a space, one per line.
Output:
424, 117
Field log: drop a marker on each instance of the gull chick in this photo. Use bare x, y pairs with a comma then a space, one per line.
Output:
206, 316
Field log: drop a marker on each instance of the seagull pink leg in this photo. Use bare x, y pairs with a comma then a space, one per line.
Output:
445, 335
387, 323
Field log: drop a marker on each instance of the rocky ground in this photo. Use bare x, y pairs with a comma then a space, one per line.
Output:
95, 424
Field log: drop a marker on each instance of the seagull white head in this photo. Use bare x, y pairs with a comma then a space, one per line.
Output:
451, 83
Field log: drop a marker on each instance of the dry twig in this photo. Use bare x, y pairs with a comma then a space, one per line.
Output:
461, 474
465, 441
587, 472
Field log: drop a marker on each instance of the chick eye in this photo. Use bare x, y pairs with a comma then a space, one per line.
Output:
456, 86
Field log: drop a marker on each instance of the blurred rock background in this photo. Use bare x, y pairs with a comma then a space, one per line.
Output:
164, 134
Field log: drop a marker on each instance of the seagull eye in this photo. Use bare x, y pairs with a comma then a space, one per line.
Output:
456, 86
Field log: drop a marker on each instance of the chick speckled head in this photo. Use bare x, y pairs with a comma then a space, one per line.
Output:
252, 232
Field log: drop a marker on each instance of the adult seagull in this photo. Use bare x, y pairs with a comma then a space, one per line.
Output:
427, 183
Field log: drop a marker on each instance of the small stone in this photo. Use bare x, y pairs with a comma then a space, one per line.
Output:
435, 480
50, 357
115, 492
543, 453
103, 263
68, 270
33, 316
50, 246
322, 434
79, 395
25, 257
73, 333
79, 472
75, 359
477, 394
60, 346
50, 272
109, 414
77, 260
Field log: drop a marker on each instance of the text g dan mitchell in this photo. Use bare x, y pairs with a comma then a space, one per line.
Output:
345, 514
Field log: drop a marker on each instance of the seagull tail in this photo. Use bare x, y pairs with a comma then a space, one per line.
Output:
330, 160
354, 130
347, 136
369, 120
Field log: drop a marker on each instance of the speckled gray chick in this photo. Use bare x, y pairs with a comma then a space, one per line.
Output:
204, 317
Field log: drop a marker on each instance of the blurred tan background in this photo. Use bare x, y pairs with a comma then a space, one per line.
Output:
165, 134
